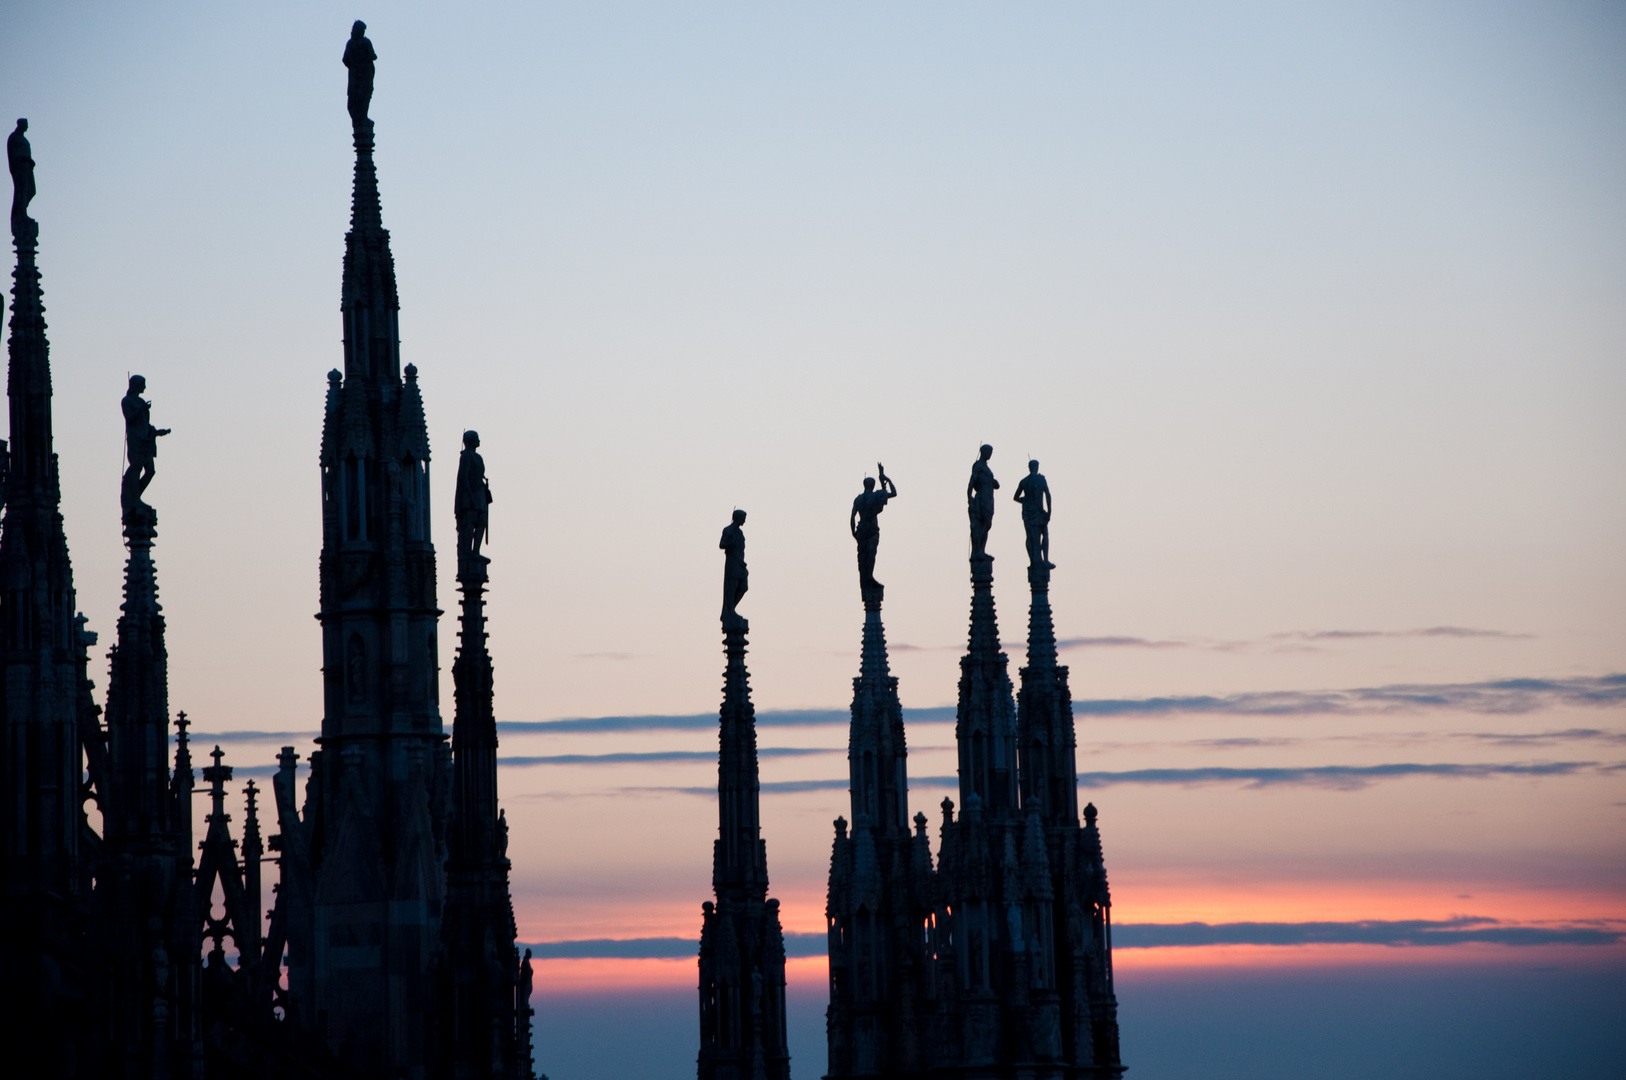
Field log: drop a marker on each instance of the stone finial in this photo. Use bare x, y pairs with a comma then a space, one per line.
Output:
1089, 815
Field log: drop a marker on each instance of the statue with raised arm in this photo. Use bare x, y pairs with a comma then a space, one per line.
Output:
472, 505
140, 443
359, 57
1034, 495
20, 160
735, 579
979, 499
866, 528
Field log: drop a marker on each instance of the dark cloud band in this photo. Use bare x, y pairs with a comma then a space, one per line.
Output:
1395, 933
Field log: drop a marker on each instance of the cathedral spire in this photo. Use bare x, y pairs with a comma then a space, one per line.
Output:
985, 720
742, 946
1044, 713
374, 821
486, 986
44, 688
880, 892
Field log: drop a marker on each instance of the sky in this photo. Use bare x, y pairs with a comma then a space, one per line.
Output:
1311, 314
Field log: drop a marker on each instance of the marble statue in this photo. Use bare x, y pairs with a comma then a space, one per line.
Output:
20, 159
735, 578
979, 497
866, 528
472, 504
141, 443
359, 57
1034, 495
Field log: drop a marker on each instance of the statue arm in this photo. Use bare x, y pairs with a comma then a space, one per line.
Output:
852, 519
1047, 502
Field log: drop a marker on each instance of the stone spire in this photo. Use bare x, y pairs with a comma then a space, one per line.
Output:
48, 714
1080, 906
149, 904
742, 946
1044, 713
880, 892
985, 719
369, 848
486, 1023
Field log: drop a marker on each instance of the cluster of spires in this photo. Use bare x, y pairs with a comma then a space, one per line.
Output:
390, 946
994, 963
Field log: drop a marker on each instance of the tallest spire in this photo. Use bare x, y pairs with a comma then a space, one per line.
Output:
370, 301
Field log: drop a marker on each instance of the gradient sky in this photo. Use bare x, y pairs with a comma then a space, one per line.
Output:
1312, 314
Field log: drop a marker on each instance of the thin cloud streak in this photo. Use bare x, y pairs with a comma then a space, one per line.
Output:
1330, 777
1326, 777
660, 756
1397, 933
1499, 697
1503, 697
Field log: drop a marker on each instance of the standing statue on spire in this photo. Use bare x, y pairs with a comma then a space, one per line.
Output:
979, 498
866, 527
20, 159
359, 57
141, 444
472, 504
735, 577
1034, 495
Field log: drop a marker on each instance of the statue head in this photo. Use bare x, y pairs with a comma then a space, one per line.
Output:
138, 385
739, 517
987, 451
1033, 465
358, 29
869, 483
22, 124
471, 440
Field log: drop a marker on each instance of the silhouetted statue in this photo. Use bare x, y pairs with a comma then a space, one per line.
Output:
140, 442
735, 581
979, 498
472, 504
866, 527
20, 159
1034, 495
359, 57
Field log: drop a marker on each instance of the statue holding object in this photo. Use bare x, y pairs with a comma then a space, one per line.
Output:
866, 527
735, 578
472, 504
1034, 495
141, 445
979, 498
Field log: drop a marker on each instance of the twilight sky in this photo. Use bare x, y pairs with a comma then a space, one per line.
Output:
1312, 315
